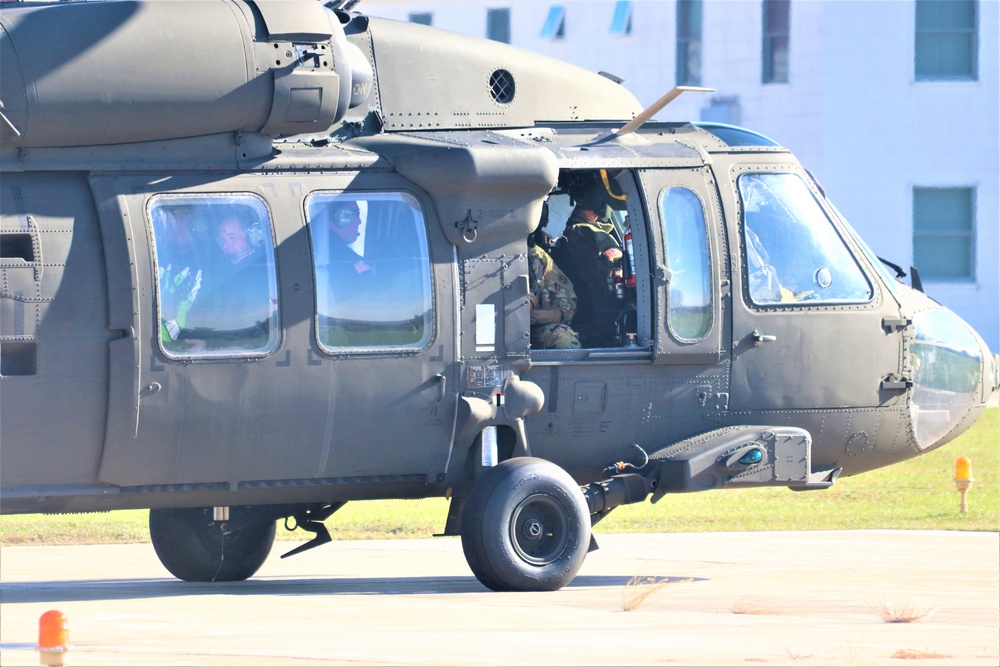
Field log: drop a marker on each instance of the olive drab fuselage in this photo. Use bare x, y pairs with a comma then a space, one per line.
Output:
319, 292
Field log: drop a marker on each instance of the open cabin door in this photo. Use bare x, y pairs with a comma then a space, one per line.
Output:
662, 382
304, 363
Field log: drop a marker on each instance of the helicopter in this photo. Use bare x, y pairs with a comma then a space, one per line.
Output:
263, 258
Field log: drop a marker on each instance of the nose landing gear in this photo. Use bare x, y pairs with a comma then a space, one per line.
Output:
525, 527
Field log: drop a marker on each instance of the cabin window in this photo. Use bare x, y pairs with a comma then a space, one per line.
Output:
944, 237
372, 268
792, 253
689, 42
423, 18
946, 44
776, 37
689, 297
217, 293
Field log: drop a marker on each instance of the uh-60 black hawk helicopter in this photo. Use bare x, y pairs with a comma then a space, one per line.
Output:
260, 259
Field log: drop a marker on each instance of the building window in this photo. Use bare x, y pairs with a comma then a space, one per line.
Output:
689, 42
777, 28
423, 18
217, 293
621, 22
722, 110
944, 240
373, 271
498, 25
555, 23
946, 45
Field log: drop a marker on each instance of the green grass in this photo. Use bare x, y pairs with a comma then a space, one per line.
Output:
917, 494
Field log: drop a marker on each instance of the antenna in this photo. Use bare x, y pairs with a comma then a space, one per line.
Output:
342, 5
655, 107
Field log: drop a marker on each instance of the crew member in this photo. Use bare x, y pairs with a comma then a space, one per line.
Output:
348, 270
235, 311
591, 257
553, 303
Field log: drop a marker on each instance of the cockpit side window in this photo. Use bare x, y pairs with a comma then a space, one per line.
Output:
372, 268
792, 253
217, 293
689, 299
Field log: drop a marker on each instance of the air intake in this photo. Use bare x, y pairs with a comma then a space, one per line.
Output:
502, 86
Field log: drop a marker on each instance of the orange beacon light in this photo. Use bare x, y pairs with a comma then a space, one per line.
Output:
963, 481
53, 639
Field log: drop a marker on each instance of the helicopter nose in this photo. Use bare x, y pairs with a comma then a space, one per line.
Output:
953, 373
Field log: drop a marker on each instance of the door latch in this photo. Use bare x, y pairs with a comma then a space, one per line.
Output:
891, 324
759, 338
891, 383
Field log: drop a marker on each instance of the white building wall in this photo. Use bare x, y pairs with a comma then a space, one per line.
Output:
851, 111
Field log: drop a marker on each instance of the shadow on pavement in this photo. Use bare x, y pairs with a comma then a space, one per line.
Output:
129, 589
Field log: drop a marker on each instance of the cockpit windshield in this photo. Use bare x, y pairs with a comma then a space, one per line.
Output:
891, 281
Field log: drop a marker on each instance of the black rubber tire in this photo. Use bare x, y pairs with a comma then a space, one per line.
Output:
525, 527
193, 547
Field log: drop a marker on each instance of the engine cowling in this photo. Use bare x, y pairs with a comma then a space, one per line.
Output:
78, 74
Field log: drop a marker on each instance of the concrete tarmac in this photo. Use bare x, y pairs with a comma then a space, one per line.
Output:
804, 598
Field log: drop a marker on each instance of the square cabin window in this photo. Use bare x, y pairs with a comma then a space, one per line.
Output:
423, 18
373, 272
946, 44
217, 290
944, 241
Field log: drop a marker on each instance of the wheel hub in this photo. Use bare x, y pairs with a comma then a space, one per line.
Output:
539, 529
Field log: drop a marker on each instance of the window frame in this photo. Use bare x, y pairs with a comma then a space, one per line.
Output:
972, 32
969, 235
621, 20
274, 319
554, 27
832, 220
769, 36
706, 265
493, 13
420, 225
686, 38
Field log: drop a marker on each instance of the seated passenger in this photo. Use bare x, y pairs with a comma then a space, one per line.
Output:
234, 305
348, 269
553, 303
179, 272
591, 257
